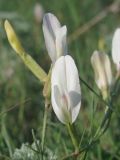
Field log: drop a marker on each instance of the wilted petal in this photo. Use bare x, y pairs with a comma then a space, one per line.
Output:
66, 104
50, 26
116, 48
61, 42
102, 68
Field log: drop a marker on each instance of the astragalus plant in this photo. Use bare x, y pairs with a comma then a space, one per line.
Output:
61, 85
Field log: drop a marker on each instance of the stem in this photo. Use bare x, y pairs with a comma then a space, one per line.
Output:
73, 137
104, 124
99, 133
95, 139
44, 128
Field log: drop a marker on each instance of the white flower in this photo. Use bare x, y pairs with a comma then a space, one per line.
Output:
116, 48
102, 68
66, 92
55, 37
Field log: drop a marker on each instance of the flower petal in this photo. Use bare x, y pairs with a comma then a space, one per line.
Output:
59, 74
50, 25
75, 102
65, 77
61, 42
73, 86
61, 111
72, 75
116, 48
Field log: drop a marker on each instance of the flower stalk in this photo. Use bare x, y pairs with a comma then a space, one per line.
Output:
73, 137
44, 128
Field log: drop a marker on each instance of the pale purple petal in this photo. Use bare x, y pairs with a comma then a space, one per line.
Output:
50, 25
61, 42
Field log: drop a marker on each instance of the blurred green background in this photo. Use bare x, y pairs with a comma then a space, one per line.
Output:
20, 89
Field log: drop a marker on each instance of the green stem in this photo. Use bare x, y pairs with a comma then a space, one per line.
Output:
73, 137
44, 128
104, 124
99, 133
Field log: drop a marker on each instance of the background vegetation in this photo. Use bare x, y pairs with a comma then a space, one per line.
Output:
21, 92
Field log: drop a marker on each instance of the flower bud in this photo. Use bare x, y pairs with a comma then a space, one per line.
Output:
13, 39
102, 69
55, 37
27, 59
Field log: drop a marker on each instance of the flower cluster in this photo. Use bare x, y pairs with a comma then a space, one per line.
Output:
65, 86
61, 85
63, 79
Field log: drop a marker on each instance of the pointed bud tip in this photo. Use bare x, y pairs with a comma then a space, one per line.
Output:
9, 30
95, 53
7, 25
6, 22
12, 37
